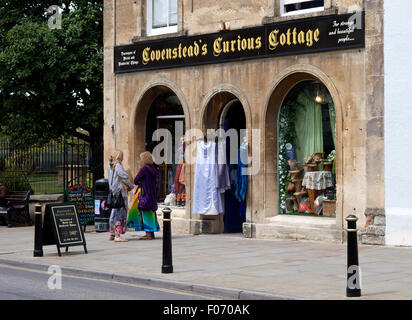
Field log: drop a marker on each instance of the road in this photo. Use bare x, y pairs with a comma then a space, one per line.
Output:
24, 284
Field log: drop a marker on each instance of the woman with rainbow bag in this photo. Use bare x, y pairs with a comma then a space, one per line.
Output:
142, 214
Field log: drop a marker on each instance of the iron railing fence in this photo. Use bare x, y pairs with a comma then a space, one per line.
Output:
48, 168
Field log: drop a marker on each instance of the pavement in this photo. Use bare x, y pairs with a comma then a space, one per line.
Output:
228, 266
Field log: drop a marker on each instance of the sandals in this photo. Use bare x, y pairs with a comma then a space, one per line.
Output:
146, 238
120, 240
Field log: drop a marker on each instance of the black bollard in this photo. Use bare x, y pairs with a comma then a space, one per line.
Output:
353, 288
167, 266
38, 232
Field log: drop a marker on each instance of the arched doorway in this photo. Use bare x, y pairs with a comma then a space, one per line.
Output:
306, 151
225, 111
165, 129
159, 125
233, 118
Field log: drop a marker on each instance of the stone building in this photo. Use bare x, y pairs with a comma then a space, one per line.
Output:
159, 69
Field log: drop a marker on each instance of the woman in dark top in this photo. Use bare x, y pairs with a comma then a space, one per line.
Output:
147, 180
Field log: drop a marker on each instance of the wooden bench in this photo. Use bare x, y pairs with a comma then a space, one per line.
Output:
16, 204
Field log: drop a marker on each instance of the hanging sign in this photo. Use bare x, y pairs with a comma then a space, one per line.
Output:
82, 196
325, 33
61, 226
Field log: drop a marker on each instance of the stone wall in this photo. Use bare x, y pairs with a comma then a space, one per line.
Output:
353, 77
374, 112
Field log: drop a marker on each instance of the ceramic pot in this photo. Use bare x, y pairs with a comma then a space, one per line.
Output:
317, 156
312, 167
327, 166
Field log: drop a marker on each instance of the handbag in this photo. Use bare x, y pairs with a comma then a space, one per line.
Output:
142, 201
114, 201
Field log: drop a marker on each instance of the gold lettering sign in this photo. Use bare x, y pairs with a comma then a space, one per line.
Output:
193, 50
334, 32
238, 45
293, 37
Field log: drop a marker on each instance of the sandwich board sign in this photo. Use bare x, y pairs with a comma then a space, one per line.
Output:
61, 227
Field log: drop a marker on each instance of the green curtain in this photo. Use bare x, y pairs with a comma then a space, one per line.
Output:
332, 117
309, 131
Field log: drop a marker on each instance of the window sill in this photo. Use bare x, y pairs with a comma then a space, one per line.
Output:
181, 33
326, 12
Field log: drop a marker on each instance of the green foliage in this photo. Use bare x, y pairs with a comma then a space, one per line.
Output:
23, 160
15, 180
2, 163
287, 134
331, 156
51, 80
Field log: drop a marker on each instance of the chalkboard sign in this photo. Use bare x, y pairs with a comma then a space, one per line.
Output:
61, 226
82, 196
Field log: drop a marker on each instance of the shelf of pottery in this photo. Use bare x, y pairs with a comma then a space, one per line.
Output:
295, 184
314, 181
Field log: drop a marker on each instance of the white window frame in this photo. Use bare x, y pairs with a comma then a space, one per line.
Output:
149, 18
286, 2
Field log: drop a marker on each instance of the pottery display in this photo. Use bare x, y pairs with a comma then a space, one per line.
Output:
327, 165
317, 156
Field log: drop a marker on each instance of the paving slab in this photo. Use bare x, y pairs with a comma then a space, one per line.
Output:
237, 266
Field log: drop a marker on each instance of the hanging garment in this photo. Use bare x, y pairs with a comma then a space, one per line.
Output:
233, 219
222, 169
181, 149
235, 208
169, 179
206, 196
178, 186
241, 177
182, 175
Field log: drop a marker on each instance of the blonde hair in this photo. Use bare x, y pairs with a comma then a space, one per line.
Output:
114, 157
146, 157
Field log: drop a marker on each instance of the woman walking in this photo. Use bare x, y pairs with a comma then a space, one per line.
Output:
143, 216
118, 183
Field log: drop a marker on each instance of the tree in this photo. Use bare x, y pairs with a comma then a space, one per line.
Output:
51, 80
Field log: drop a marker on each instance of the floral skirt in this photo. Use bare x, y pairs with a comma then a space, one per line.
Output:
118, 219
117, 222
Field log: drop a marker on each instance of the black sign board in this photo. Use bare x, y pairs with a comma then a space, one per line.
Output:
61, 226
82, 196
318, 34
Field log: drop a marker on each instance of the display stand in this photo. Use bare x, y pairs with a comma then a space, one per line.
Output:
298, 193
61, 227
316, 182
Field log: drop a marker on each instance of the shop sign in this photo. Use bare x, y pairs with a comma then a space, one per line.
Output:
61, 226
336, 32
82, 196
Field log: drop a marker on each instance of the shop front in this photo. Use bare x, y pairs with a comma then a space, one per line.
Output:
290, 97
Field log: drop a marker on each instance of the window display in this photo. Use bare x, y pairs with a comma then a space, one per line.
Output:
306, 155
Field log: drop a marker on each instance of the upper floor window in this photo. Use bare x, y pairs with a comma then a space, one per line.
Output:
161, 16
290, 7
